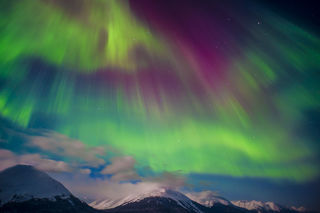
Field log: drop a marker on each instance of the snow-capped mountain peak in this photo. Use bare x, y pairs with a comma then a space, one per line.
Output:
208, 198
23, 182
178, 197
299, 209
257, 205
163, 192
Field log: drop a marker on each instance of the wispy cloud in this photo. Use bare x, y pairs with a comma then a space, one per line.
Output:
114, 188
119, 164
64, 146
8, 159
121, 169
172, 180
98, 189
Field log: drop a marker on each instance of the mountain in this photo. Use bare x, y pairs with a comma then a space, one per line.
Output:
165, 200
266, 207
258, 205
208, 198
26, 189
215, 203
159, 200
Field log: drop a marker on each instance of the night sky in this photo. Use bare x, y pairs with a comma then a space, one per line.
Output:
204, 95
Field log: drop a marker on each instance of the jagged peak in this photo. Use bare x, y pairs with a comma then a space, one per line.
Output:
255, 205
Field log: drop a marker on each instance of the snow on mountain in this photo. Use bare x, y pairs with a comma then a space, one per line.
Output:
299, 209
178, 197
23, 182
257, 205
208, 198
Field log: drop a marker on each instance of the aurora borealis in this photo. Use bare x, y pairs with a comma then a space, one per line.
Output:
210, 88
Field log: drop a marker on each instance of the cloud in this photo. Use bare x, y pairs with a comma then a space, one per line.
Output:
127, 175
85, 171
119, 164
64, 146
207, 198
97, 189
172, 180
91, 189
8, 159
121, 169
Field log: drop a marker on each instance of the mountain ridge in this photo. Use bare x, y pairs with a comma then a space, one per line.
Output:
267, 206
163, 192
26, 189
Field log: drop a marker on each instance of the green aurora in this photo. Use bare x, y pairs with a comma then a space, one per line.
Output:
104, 76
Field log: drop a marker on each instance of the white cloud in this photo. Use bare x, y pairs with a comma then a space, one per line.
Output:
98, 189
8, 159
127, 175
85, 171
121, 169
119, 164
173, 180
64, 146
